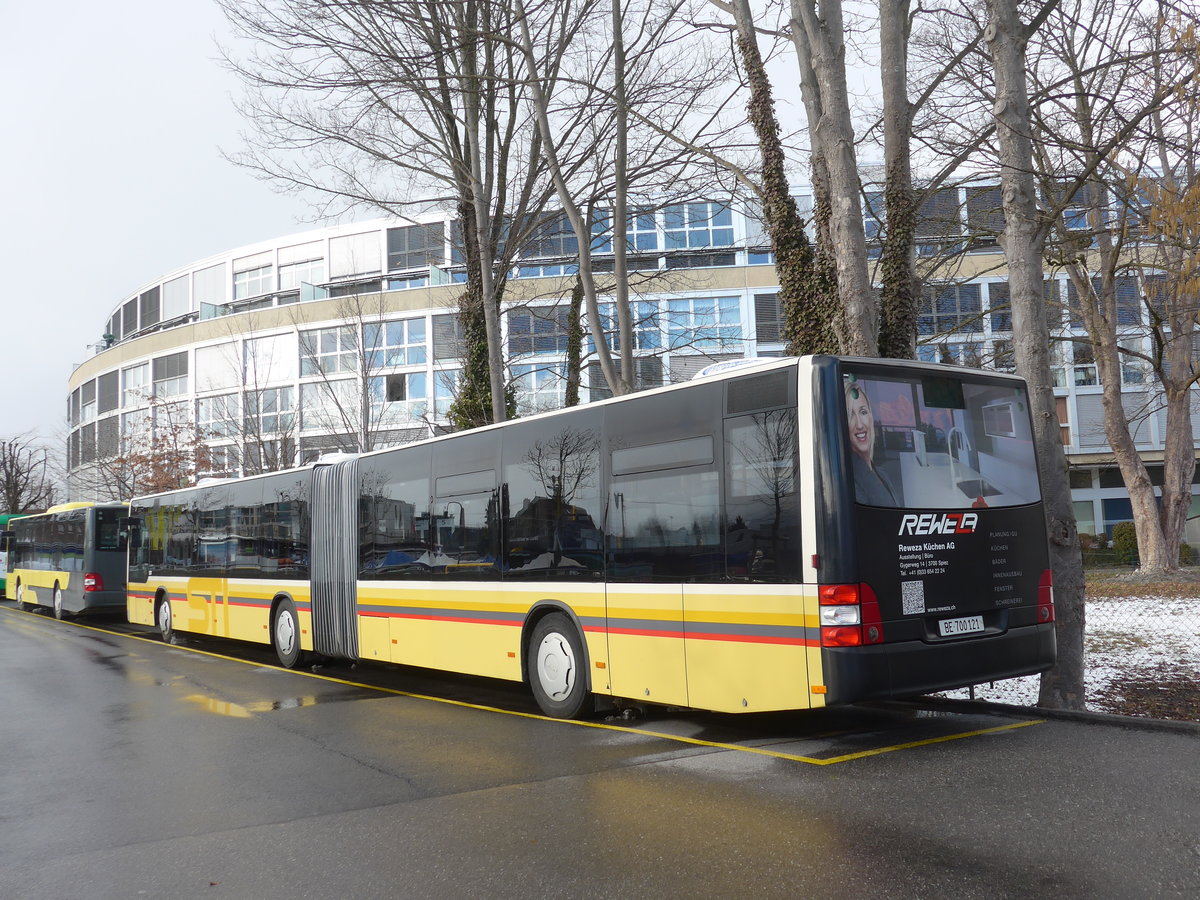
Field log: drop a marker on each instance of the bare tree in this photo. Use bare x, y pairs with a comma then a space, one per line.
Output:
1024, 239
375, 105
1115, 146
26, 475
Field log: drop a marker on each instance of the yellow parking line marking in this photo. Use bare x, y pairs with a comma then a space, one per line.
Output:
643, 732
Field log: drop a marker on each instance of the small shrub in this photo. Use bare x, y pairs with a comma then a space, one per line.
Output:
1124, 542
1187, 555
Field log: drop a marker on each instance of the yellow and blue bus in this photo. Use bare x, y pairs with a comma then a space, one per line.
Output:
805, 532
70, 559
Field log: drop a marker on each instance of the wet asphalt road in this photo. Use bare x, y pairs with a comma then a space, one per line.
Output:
136, 769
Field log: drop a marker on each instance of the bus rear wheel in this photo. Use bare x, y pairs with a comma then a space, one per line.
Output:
555, 661
59, 612
285, 634
20, 597
162, 616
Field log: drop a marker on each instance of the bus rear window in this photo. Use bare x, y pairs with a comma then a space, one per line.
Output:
108, 530
939, 442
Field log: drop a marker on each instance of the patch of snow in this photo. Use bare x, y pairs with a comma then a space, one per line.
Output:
1122, 637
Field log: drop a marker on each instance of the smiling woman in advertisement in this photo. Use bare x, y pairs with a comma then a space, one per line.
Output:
871, 484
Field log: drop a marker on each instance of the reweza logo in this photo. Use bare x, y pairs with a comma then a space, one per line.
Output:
939, 523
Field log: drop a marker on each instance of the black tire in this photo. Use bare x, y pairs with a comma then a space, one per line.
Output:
59, 612
556, 665
163, 619
20, 596
285, 634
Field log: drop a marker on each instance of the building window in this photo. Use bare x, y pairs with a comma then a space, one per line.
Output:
129, 317
87, 401
293, 275
540, 387
1083, 356
704, 322
445, 390
108, 395
985, 217
938, 217
447, 337
176, 300
415, 247
217, 417
647, 328
135, 428
949, 308
1064, 425
171, 375
768, 318
326, 351
641, 231
398, 399
330, 405
252, 282
554, 237
150, 307
538, 331
553, 270
697, 225
401, 343
270, 411
133, 385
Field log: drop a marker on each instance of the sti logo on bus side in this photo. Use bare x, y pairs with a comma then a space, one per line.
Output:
939, 523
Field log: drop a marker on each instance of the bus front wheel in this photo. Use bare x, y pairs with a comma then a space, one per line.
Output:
21, 596
285, 634
555, 662
162, 616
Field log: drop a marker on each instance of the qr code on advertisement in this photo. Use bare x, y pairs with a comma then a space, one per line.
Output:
912, 597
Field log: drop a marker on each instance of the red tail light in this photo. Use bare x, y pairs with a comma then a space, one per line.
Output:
92, 581
850, 616
1046, 597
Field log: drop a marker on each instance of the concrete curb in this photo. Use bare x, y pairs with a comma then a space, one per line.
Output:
1136, 723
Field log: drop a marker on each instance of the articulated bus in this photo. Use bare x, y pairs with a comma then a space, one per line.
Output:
71, 558
805, 532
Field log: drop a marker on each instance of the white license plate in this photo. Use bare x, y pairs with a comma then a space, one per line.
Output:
965, 625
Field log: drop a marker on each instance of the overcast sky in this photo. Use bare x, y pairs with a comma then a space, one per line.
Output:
113, 117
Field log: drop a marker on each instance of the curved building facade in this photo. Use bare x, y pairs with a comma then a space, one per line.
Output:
345, 338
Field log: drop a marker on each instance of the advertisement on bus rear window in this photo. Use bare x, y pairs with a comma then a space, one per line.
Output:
948, 511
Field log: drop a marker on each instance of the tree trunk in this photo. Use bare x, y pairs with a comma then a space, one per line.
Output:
824, 56
897, 264
1024, 239
808, 328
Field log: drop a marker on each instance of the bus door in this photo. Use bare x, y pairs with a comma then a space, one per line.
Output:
208, 601
651, 550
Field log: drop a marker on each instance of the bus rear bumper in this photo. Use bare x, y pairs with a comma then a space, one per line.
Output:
915, 667
103, 601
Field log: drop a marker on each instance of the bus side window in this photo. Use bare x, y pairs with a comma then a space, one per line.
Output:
761, 508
